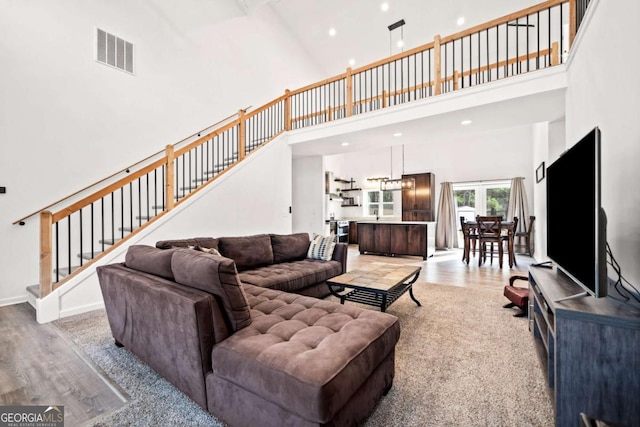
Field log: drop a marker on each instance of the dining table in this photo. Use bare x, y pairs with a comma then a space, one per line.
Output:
470, 234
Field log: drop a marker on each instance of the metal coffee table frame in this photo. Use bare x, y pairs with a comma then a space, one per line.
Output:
366, 294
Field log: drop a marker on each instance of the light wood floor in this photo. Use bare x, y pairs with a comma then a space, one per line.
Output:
38, 366
447, 268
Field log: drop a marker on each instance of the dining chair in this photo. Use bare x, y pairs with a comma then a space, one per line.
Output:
509, 238
526, 235
489, 232
470, 237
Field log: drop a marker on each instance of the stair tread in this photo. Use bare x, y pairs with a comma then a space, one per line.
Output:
110, 241
87, 255
34, 290
65, 271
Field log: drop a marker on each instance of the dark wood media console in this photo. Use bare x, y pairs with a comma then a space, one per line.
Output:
590, 349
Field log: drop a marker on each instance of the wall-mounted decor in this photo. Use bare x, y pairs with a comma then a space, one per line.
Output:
540, 173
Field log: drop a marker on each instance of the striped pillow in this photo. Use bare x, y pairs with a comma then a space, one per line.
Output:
322, 247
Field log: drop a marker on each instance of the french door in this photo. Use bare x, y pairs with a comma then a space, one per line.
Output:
481, 198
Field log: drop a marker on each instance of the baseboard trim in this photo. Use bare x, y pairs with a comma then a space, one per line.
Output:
13, 300
81, 309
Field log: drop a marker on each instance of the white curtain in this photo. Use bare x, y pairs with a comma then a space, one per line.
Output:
447, 228
518, 205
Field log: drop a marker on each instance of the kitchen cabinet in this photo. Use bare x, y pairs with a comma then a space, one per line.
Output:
397, 238
418, 203
374, 237
353, 232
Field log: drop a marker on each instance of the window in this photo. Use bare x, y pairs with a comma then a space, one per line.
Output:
482, 198
379, 203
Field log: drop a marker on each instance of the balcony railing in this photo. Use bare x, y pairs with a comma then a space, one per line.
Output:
75, 236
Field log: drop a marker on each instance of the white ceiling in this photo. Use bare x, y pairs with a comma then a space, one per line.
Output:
362, 35
362, 27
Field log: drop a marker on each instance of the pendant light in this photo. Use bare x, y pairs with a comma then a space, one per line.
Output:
398, 183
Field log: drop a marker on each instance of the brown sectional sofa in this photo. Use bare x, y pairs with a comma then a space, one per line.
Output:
274, 261
250, 355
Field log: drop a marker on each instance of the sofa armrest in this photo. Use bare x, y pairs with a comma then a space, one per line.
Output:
172, 328
340, 255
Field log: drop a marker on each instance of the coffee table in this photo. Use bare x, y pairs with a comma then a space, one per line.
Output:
378, 284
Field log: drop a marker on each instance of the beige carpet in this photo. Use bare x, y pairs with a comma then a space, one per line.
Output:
462, 360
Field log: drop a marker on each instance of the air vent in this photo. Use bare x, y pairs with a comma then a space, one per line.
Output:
114, 51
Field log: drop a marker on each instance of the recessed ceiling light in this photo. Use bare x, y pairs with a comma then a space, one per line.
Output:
352, 62
332, 31
344, 144
400, 43
460, 20
384, 6
397, 134
466, 122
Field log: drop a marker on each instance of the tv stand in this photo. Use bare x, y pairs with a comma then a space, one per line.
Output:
588, 348
570, 297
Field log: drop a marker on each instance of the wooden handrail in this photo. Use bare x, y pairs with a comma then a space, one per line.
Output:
82, 190
62, 213
349, 105
207, 137
318, 84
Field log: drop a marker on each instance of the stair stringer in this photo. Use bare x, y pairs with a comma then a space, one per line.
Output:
230, 205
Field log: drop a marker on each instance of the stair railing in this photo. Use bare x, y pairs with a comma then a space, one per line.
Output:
95, 225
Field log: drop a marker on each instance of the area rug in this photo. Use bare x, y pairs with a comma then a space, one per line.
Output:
462, 360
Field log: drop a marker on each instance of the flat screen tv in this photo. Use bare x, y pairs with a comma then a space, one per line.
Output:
576, 223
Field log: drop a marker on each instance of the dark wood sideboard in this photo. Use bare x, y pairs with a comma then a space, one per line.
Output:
397, 238
590, 350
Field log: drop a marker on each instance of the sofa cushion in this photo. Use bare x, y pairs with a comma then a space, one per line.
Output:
205, 242
289, 247
150, 260
321, 247
292, 276
216, 275
306, 355
247, 251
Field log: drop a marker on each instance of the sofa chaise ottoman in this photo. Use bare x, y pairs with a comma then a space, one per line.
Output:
247, 354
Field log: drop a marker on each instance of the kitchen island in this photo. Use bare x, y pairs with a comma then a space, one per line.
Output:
417, 238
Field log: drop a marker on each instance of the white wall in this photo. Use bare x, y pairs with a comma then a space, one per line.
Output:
67, 121
604, 92
308, 195
249, 199
497, 154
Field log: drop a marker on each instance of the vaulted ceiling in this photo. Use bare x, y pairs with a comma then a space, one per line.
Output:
362, 35
361, 27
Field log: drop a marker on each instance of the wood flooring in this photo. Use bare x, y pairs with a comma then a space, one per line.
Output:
39, 366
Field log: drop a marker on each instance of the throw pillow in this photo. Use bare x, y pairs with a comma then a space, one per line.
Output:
212, 251
289, 247
322, 247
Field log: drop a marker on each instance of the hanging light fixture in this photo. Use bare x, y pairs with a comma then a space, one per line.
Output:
407, 183
395, 25
398, 183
